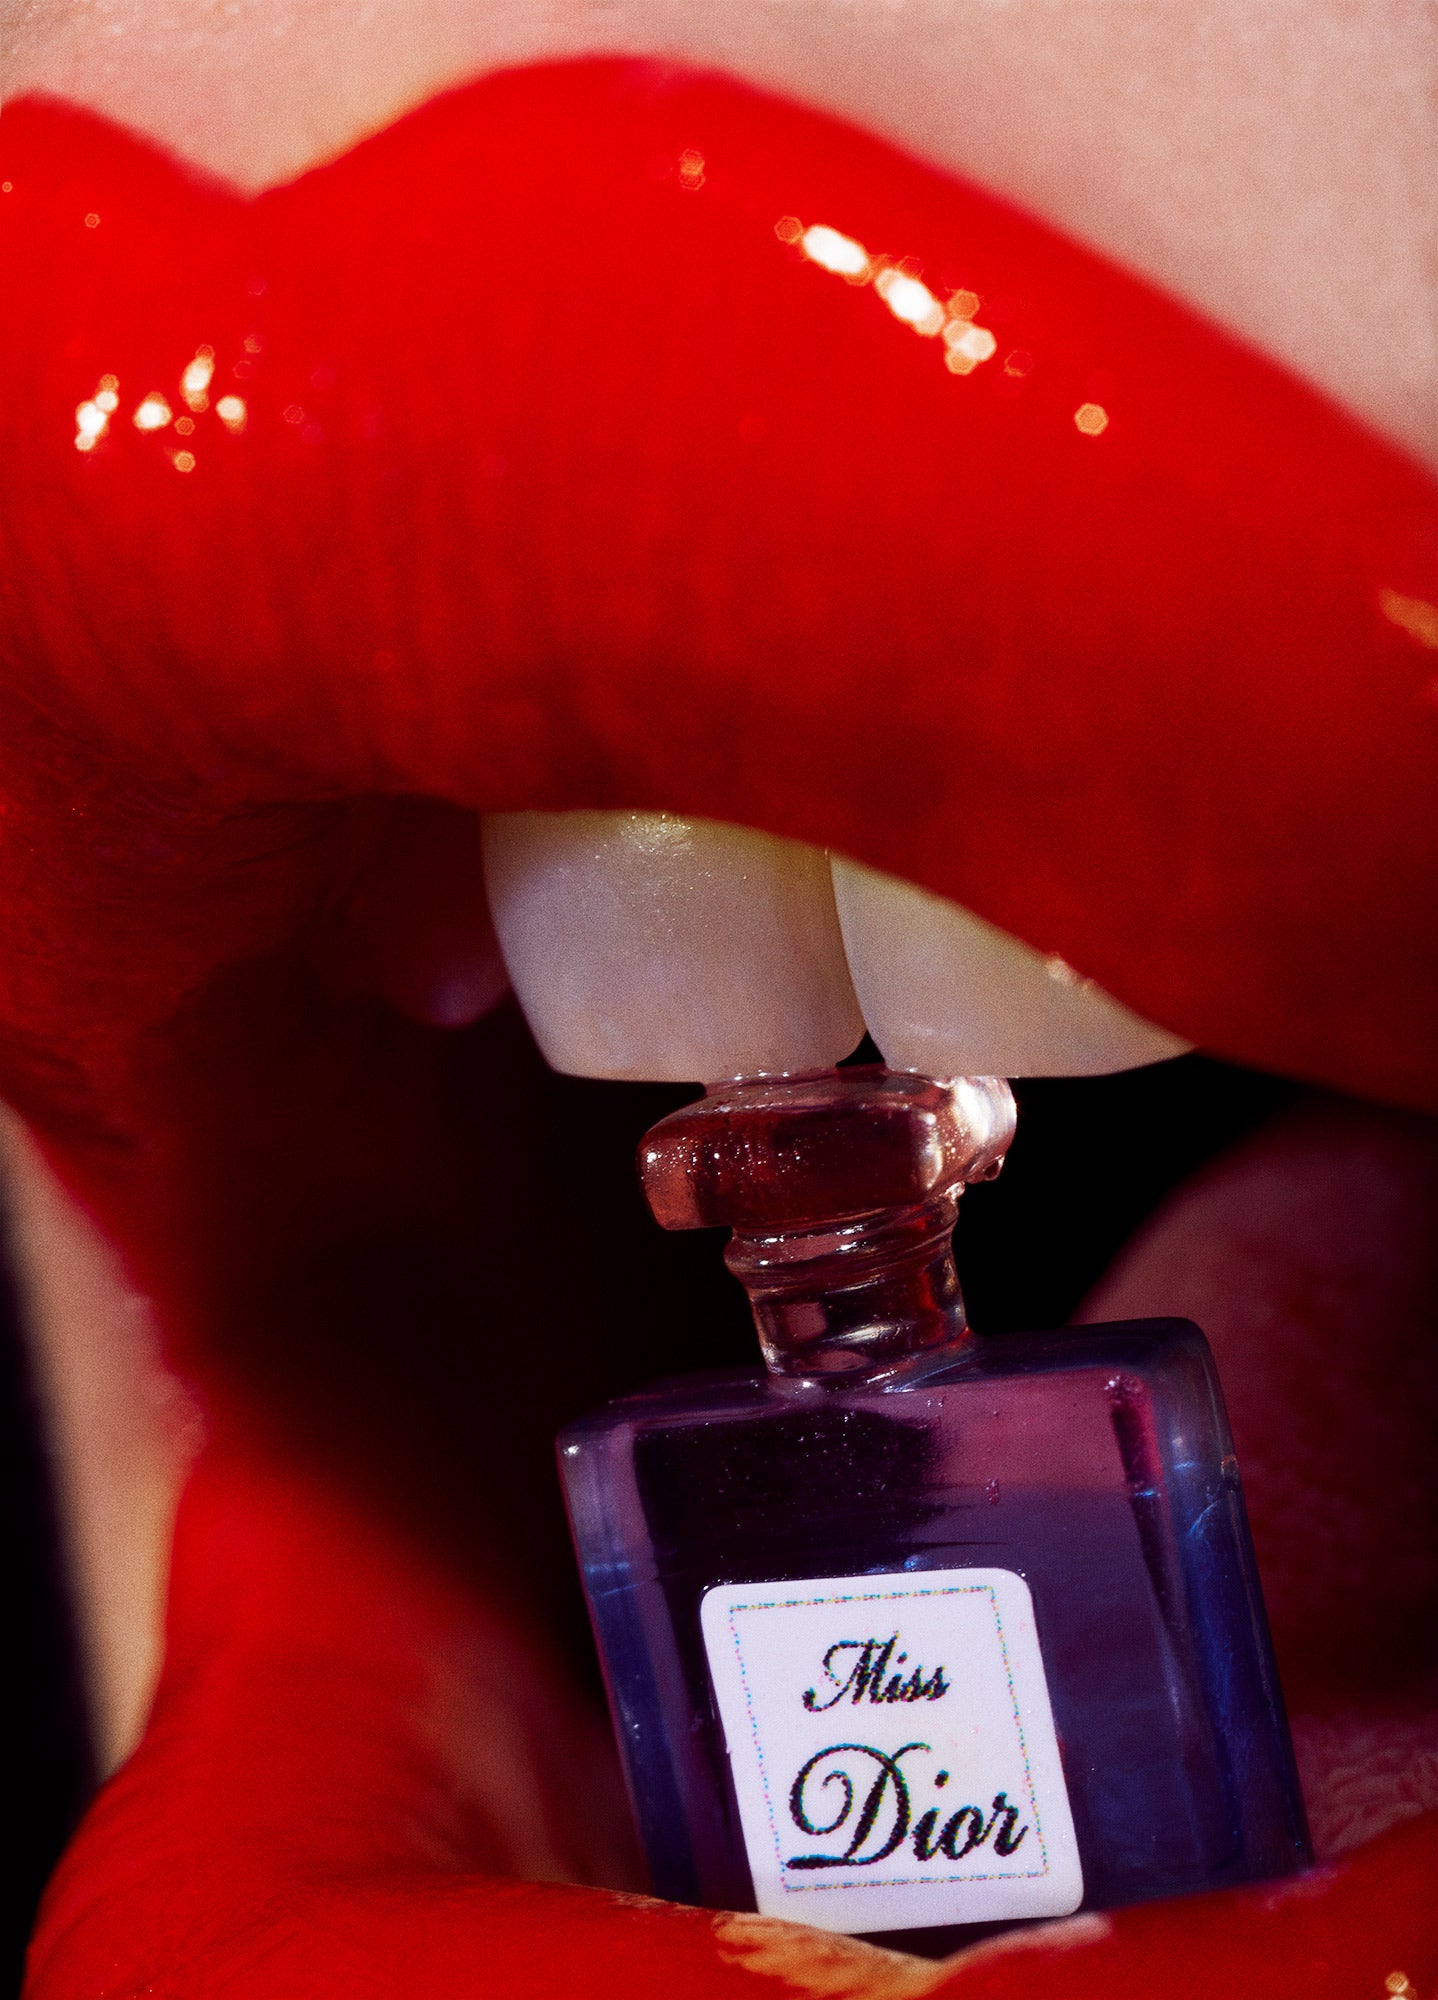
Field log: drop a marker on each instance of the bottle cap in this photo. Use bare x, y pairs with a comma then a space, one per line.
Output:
776, 1151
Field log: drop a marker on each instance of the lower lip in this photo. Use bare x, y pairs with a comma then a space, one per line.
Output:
564, 479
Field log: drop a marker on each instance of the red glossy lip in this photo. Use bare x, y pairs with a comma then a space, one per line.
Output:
564, 480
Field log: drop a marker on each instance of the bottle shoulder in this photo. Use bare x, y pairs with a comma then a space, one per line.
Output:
1168, 1357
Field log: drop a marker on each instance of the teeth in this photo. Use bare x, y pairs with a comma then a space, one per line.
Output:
653, 948
649, 947
947, 994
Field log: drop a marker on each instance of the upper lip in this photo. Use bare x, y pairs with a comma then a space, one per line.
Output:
565, 482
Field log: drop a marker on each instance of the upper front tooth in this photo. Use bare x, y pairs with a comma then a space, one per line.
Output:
947, 994
650, 947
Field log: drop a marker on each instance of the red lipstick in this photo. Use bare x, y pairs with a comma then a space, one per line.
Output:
529, 457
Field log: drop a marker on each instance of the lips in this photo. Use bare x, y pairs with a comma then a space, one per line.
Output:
566, 477
565, 480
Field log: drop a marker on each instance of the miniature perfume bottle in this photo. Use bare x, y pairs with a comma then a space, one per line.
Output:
919, 1630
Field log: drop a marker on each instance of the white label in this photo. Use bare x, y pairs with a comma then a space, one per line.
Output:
893, 1749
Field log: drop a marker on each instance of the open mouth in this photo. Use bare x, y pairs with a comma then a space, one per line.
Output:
607, 440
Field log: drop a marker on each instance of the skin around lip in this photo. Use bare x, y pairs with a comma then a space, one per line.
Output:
563, 479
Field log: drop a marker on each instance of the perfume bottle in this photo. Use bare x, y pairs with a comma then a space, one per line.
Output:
916, 1630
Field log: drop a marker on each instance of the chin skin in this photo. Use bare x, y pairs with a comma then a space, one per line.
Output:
365, 1768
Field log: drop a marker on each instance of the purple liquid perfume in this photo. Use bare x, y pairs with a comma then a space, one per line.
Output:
917, 1630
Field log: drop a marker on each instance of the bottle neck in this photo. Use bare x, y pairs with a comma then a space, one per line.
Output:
856, 1295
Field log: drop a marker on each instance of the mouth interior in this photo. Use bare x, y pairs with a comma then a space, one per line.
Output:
492, 1252
510, 1254
408, 1254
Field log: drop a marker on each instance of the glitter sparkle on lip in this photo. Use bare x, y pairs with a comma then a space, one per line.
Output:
902, 289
